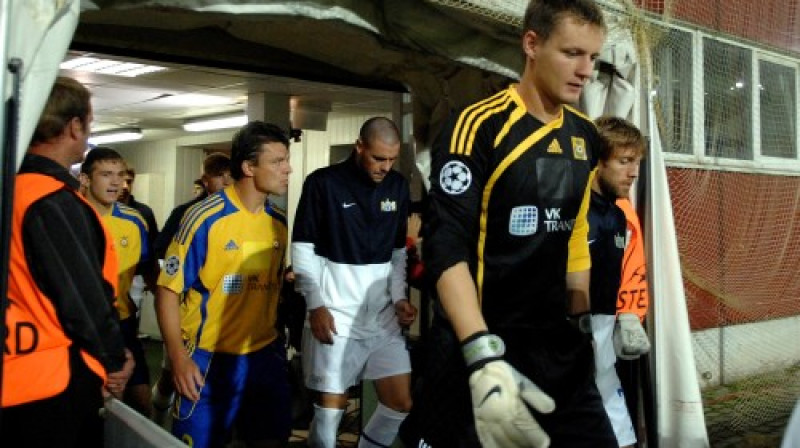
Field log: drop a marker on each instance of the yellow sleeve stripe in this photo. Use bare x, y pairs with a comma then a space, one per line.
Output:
579, 257
465, 129
512, 156
196, 214
478, 121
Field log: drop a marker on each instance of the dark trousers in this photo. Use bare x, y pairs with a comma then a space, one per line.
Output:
69, 419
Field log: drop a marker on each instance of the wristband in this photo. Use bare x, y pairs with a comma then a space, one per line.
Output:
582, 322
481, 348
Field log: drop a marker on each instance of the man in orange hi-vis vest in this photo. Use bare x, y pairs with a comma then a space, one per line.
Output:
63, 340
633, 299
615, 334
633, 296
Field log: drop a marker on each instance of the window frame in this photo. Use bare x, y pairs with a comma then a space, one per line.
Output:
697, 158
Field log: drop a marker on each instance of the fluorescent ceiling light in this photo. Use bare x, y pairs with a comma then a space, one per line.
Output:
109, 66
115, 136
219, 122
195, 99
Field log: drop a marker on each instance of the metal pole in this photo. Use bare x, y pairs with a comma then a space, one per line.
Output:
8, 135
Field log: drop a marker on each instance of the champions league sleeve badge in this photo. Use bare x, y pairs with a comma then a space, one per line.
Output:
455, 177
171, 265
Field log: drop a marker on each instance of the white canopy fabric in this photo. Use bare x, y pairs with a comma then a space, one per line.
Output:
611, 91
679, 405
39, 34
446, 56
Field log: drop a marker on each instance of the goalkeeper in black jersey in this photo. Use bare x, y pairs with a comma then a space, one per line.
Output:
505, 242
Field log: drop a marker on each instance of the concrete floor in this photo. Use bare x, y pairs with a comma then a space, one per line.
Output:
728, 424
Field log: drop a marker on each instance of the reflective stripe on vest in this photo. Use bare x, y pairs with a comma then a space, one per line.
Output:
633, 295
36, 355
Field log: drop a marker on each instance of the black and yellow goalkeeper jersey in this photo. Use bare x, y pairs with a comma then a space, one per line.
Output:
509, 195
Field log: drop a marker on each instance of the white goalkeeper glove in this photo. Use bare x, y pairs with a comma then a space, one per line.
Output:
630, 339
499, 397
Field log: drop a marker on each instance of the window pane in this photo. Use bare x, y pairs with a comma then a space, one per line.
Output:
672, 60
778, 117
728, 103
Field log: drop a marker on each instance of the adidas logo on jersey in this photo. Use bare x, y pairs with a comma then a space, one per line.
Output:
554, 148
231, 245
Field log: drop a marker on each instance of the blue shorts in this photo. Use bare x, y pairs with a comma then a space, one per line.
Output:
130, 333
250, 391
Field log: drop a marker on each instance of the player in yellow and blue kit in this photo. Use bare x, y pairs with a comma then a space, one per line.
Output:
101, 179
229, 367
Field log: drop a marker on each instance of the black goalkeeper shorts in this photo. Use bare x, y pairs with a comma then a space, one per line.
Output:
563, 366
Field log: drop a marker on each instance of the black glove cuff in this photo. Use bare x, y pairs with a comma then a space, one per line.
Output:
481, 348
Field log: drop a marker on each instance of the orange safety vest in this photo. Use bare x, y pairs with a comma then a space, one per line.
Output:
633, 296
36, 355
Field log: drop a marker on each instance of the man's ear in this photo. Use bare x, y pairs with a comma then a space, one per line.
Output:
360, 146
530, 40
75, 128
247, 168
83, 178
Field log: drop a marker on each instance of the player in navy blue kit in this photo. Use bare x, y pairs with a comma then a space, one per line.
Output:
349, 259
617, 168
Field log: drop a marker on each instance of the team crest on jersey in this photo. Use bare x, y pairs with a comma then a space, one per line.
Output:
578, 148
172, 265
388, 205
232, 283
455, 177
554, 148
524, 220
619, 241
123, 241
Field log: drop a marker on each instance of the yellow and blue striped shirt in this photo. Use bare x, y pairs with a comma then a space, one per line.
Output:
229, 263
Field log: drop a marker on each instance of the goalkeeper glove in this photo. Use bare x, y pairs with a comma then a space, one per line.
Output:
499, 397
630, 340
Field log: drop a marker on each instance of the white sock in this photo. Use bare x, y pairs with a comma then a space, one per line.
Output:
324, 426
382, 428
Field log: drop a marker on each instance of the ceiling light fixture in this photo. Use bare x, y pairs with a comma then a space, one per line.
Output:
109, 66
115, 136
217, 122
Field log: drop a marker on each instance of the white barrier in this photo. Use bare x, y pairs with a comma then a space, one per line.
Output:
126, 428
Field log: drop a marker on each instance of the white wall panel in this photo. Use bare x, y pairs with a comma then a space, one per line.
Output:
156, 158
178, 161
343, 129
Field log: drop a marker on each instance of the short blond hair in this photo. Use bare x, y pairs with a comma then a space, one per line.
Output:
618, 132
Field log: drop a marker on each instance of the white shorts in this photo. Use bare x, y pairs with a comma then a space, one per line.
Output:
335, 368
607, 380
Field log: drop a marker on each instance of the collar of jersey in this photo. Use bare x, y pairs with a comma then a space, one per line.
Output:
233, 196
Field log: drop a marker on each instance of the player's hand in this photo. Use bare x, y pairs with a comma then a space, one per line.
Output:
630, 339
499, 397
118, 380
406, 312
322, 325
187, 377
